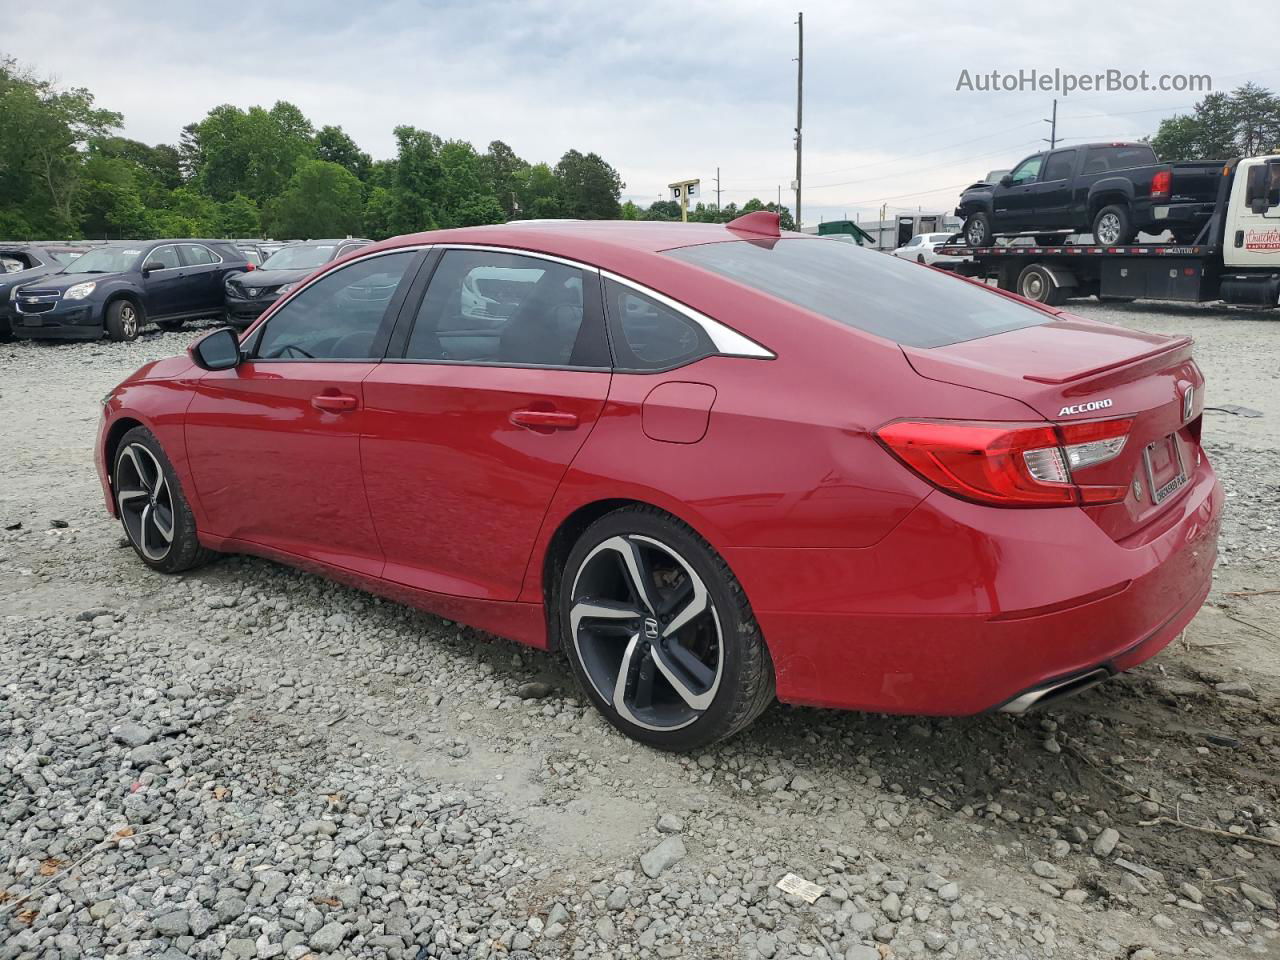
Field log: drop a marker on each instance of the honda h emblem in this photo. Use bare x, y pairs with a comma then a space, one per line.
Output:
650, 629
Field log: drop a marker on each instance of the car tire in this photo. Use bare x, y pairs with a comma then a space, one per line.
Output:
1036, 283
124, 320
152, 508
977, 229
170, 325
919, 258
642, 596
1112, 226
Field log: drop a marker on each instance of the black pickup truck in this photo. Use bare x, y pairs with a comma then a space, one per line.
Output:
1111, 190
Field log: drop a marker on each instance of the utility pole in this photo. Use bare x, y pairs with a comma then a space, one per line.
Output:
717, 189
799, 108
779, 198
1053, 126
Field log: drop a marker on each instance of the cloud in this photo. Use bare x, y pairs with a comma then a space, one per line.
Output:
663, 90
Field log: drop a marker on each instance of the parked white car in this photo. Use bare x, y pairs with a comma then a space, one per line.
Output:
923, 248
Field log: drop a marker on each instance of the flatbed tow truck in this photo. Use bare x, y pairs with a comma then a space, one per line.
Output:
1234, 259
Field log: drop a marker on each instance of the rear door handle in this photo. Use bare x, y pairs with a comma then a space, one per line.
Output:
334, 402
542, 420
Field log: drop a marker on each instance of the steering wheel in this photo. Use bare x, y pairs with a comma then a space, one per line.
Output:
293, 348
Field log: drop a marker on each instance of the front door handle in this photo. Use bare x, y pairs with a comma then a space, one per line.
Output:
334, 402
544, 420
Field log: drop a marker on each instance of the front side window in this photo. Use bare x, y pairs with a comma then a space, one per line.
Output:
337, 317
1058, 166
1028, 169
649, 335
501, 308
198, 255
162, 258
886, 296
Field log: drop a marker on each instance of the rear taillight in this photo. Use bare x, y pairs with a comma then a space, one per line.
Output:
1009, 464
1160, 185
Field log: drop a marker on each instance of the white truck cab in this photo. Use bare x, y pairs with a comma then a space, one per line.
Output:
1252, 236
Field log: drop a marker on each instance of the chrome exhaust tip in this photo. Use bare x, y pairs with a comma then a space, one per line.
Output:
1053, 692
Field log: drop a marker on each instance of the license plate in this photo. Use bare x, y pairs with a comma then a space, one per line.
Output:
30, 321
1166, 471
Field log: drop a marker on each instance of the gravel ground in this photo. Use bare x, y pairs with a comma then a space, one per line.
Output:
252, 762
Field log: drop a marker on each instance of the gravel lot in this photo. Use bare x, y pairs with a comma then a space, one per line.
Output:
252, 762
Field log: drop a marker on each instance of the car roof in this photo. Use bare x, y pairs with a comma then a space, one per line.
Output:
325, 243
610, 244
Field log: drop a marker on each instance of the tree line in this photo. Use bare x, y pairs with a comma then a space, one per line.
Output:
1242, 123
66, 172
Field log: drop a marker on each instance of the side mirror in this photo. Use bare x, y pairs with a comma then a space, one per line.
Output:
1259, 205
148, 269
219, 350
1006, 180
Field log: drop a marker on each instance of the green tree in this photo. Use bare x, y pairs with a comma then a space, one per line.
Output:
1245, 122
239, 217
418, 179
335, 146
589, 187
188, 213
322, 200
253, 152
538, 193
504, 172
465, 197
44, 134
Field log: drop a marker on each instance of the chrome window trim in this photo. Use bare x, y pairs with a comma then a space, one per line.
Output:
728, 342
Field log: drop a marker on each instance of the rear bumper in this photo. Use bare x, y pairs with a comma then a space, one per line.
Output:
1181, 214
962, 608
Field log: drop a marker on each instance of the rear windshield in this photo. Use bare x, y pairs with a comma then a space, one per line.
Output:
299, 258
887, 296
1104, 159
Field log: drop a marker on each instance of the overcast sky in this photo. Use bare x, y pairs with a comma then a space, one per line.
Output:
663, 90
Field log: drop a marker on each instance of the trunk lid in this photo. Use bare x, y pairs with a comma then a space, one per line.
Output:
1195, 181
1072, 370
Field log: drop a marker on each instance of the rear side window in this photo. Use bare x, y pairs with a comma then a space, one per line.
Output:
198, 255
1104, 159
648, 335
878, 294
505, 309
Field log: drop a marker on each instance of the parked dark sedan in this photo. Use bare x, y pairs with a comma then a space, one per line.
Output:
116, 288
248, 295
23, 262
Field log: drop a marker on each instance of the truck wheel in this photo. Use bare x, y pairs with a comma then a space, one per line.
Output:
123, 321
977, 229
1112, 226
1036, 284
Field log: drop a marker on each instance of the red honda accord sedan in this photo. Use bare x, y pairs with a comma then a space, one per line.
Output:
714, 465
